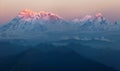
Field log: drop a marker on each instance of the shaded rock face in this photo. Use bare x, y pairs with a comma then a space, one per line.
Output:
45, 57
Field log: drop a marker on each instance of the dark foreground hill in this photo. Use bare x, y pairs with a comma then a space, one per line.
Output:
46, 57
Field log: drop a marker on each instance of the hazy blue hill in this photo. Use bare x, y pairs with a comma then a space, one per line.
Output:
46, 57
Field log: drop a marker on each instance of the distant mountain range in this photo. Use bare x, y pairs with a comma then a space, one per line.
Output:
28, 22
43, 40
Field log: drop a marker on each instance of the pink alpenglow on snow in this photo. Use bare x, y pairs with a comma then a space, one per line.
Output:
31, 15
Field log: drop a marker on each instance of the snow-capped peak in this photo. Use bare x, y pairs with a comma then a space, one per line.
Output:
96, 18
30, 15
99, 17
87, 17
84, 19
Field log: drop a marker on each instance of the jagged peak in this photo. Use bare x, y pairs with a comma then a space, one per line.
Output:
87, 17
99, 15
96, 17
29, 15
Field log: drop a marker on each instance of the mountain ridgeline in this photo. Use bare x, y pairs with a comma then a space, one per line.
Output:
41, 23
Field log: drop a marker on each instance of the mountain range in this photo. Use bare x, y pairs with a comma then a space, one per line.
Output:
30, 23
83, 44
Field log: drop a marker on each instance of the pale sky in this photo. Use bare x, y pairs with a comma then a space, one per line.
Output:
65, 8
